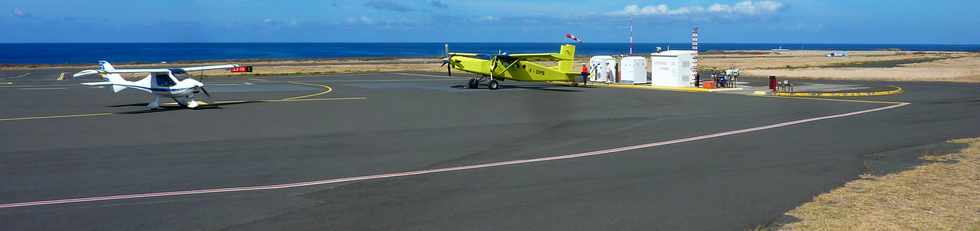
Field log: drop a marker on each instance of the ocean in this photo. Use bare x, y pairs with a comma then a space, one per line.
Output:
82, 53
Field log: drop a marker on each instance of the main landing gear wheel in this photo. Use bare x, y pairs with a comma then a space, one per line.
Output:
473, 84
192, 104
494, 85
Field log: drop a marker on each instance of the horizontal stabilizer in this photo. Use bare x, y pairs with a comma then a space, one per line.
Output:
84, 73
115, 88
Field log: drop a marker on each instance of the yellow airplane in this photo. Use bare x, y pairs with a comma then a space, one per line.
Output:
519, 67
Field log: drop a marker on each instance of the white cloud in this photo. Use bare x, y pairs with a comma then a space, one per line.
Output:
748, 7
488, 19
280, 23
360, 20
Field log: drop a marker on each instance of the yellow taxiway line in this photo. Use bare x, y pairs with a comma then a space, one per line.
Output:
61, 77
896, 90
327, 89
632, 86
55, 116
302, 98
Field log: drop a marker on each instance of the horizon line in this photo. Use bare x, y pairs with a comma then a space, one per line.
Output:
284, 42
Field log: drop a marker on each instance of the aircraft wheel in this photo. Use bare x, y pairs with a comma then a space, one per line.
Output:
473, 84
494, 85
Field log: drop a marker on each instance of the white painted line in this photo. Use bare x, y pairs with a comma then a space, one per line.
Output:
44, 88
61, 77
43, 85
20, 76
275, 100
435, 170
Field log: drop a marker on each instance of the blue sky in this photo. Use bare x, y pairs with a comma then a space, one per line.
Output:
767, 21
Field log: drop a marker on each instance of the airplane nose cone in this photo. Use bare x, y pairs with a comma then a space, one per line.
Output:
195, 83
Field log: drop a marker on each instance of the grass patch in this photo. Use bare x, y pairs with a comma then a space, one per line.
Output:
943, 194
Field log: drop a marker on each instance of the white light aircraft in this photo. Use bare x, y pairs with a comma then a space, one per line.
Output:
159, 82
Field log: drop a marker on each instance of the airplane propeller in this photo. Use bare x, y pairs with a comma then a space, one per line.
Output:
445, 60
205, 91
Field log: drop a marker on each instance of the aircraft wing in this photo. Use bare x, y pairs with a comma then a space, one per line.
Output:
136, 71
154, 70
466, 54
227, 66
536, 57
175, 70
527, 57
92, 72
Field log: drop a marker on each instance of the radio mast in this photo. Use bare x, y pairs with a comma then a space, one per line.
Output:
631, 34
694, 40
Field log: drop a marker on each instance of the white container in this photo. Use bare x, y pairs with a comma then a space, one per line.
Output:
673, 68
634, 70
603, 68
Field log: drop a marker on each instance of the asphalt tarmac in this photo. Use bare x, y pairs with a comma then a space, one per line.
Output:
62, 140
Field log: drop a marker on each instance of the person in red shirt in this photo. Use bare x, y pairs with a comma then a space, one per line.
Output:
585, 74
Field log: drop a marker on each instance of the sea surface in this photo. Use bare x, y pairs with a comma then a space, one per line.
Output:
82, 53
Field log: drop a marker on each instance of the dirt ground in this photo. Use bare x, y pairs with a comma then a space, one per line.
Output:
868, 65
859, 65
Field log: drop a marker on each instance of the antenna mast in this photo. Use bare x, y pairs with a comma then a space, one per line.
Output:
631, 34
694, 39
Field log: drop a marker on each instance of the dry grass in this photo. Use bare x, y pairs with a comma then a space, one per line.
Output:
941, 195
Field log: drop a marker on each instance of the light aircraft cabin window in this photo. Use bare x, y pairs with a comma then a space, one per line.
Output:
181, 77
164, 80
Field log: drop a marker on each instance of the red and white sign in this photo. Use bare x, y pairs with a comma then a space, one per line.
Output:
241, 69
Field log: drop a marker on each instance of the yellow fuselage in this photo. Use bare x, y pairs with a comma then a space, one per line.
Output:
519, 66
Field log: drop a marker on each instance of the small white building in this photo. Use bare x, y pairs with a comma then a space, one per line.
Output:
837, 54
633, 69
673, 68
603, 68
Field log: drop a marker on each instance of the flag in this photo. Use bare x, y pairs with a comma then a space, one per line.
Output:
572, 37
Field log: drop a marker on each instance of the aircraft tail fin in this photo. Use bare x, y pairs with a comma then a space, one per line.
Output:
114, 79
567, 55
105, 66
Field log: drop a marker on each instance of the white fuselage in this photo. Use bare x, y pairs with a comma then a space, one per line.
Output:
159, 83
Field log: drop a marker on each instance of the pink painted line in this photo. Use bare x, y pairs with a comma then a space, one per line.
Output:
435, 170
